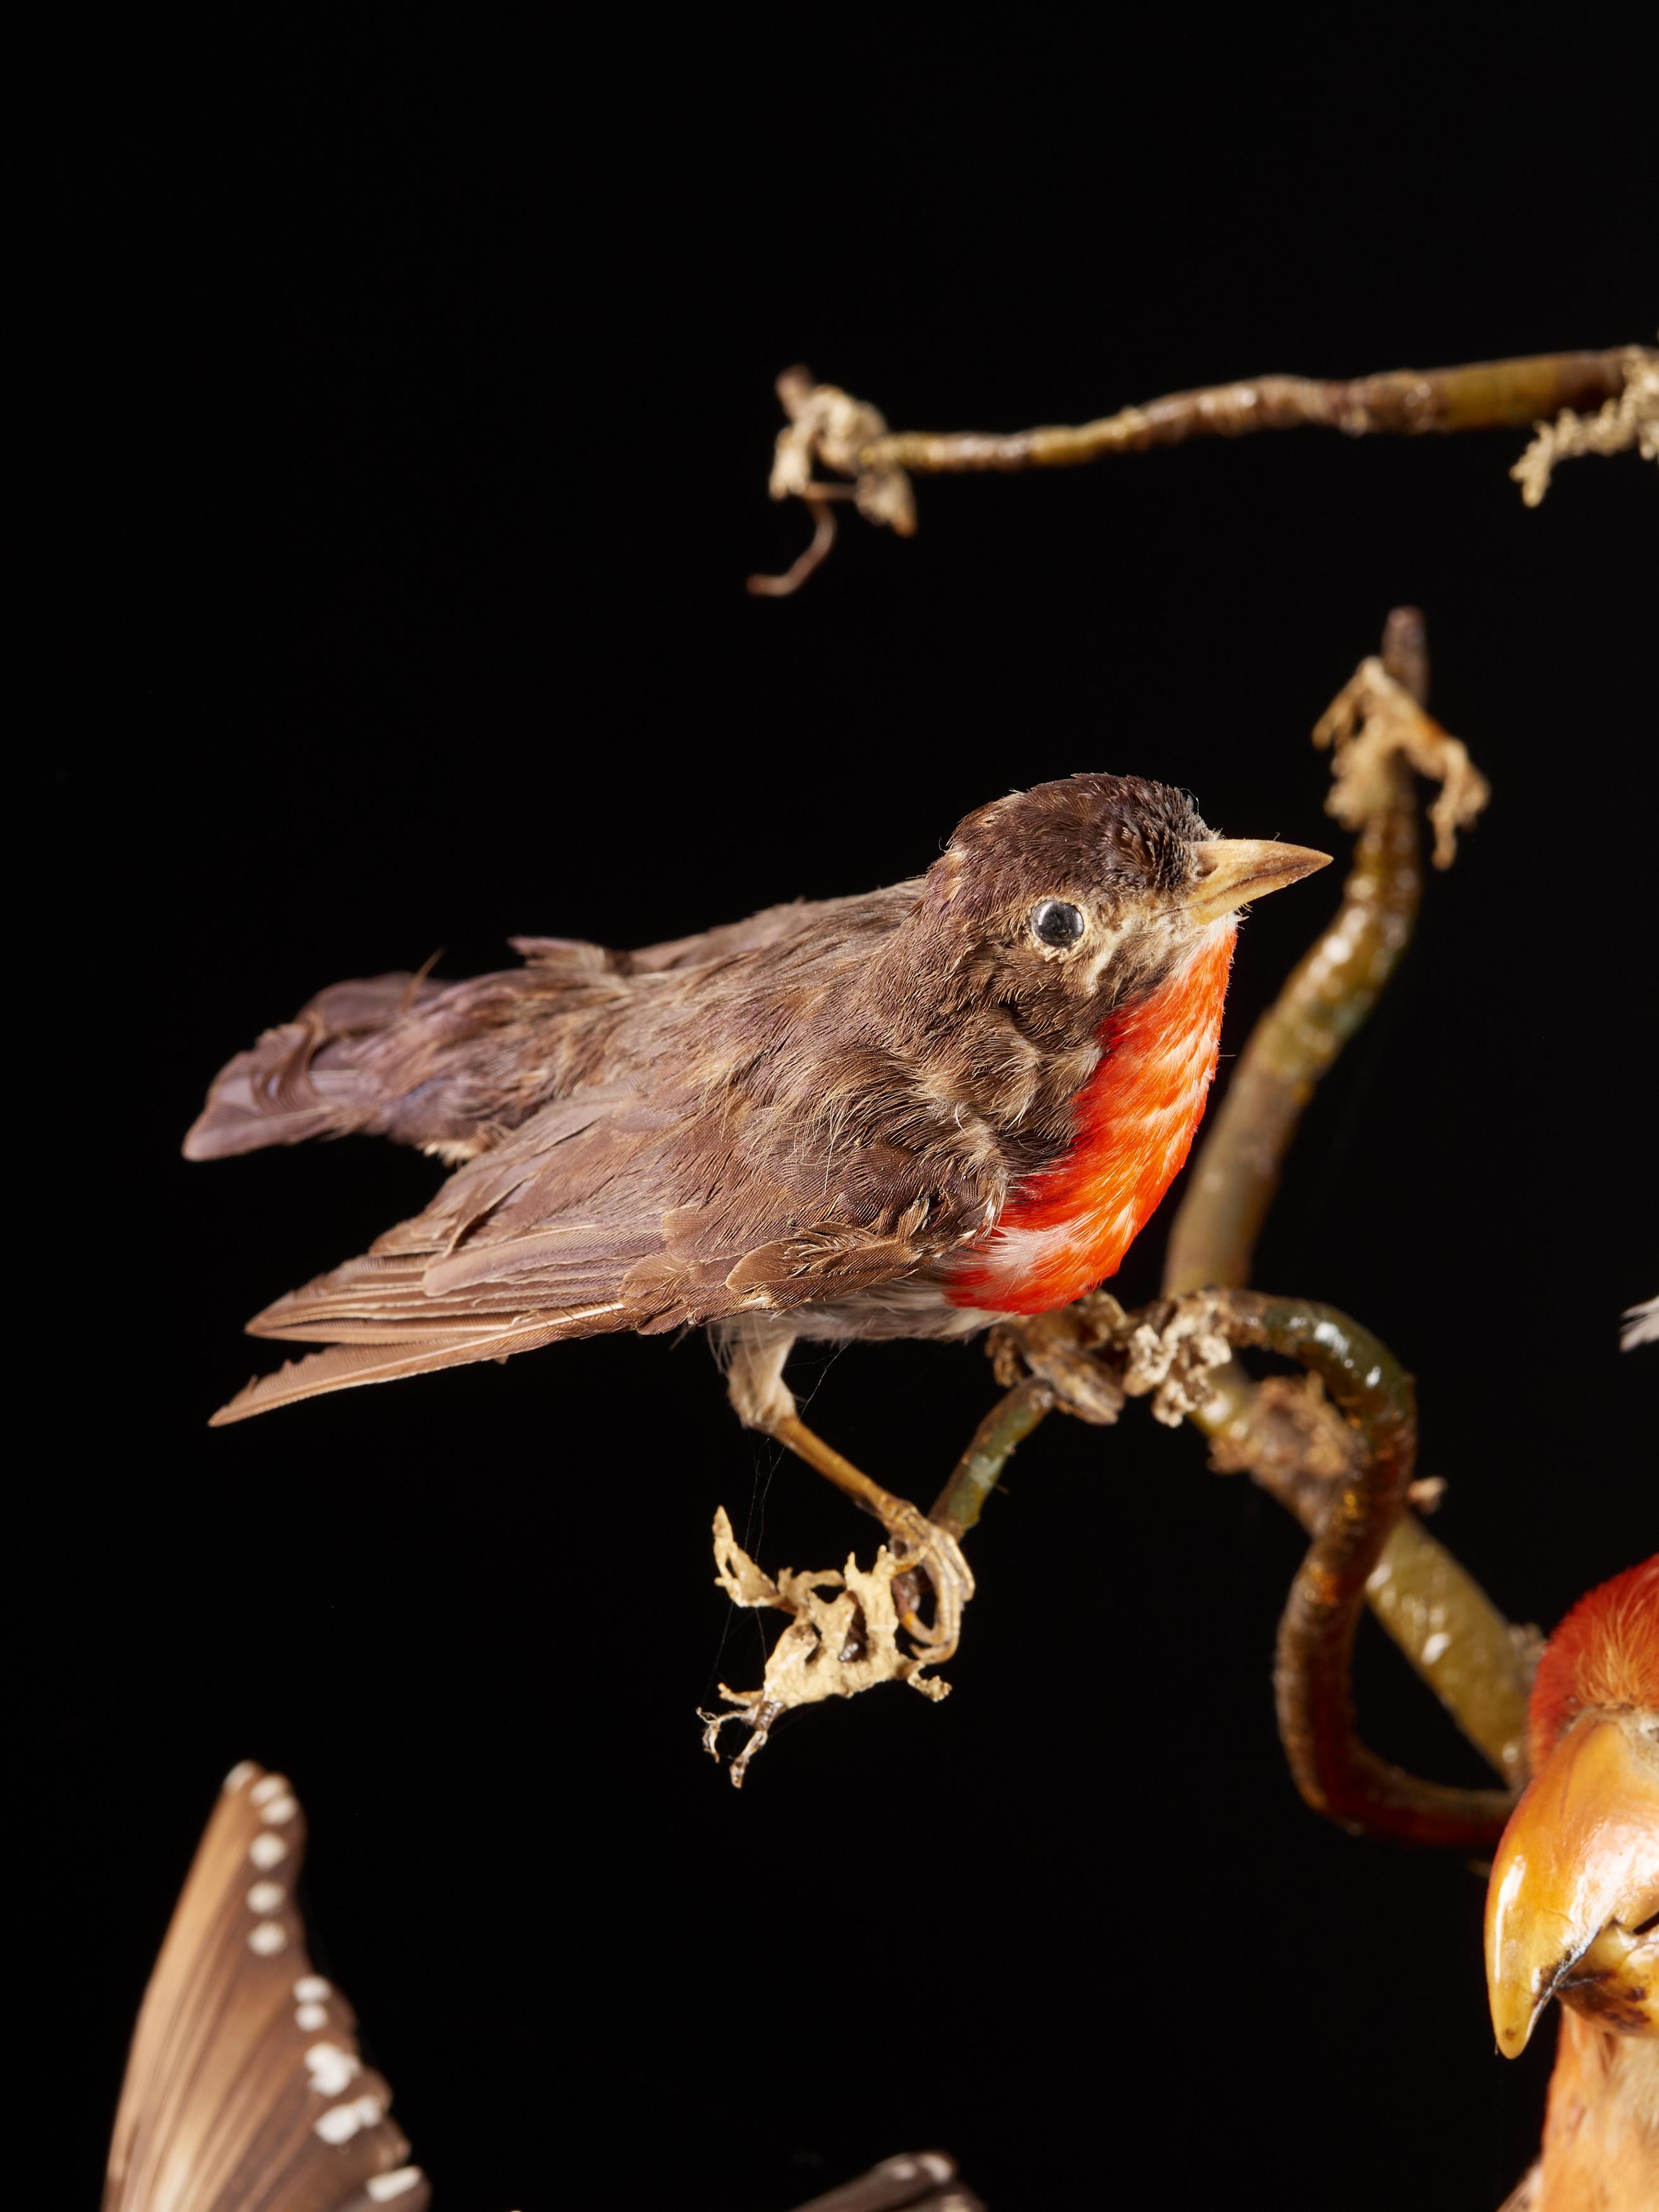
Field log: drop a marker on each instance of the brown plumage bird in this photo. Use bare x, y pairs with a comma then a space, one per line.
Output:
1572, 1908
905, 1114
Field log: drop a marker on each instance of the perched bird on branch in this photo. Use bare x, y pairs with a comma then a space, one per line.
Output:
1573, 1908
908, 1113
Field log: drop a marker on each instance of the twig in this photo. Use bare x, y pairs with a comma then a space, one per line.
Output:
1441, 1619
1334, 1769
1328, 995
1344, 1465
828, 428
1483, 395
979, 1470
823, 539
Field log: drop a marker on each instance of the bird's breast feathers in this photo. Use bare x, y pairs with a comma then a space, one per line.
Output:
1068, 1228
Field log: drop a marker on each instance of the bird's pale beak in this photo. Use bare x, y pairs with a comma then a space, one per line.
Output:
1580, 1856
1232, 870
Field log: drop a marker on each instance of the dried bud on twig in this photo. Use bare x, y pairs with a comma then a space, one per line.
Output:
1373, 720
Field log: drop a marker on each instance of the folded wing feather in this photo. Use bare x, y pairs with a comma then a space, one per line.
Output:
609, 1210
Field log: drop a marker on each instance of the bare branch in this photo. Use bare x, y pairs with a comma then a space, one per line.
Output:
1379, 730
823, 539
830, 429
979, 1470
1344, 1464
1336, 1773
1295, 1446
1488, 395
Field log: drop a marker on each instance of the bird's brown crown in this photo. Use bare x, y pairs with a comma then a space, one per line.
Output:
1118, 840
1056, 905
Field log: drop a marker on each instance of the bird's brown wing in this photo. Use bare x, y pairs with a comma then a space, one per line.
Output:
244, 2085
452, 1066
615, 1209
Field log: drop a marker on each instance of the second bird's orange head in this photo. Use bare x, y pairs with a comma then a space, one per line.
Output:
1572, 1906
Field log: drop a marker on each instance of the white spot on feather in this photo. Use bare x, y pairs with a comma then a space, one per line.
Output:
383, 2187
308, 2018
331, 2069
312, 1988
267, 1938
265, 1897
278, 1810
239, 1774
272, 1786
341, 2122
267, 1851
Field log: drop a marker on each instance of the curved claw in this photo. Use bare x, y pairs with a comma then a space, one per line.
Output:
937, 1553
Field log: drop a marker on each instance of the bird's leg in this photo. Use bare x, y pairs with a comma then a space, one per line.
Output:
754, 1354
918, 1541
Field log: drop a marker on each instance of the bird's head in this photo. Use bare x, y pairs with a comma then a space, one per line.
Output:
1572, 1908
1078, 895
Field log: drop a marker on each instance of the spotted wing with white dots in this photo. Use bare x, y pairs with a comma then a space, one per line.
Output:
245, 2089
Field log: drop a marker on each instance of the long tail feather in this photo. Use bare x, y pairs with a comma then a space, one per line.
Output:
343, 1366
279, 1093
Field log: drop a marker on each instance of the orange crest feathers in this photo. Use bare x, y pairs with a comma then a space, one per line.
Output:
1605, 1652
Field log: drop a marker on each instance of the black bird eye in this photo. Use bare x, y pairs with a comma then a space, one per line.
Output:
1058, 922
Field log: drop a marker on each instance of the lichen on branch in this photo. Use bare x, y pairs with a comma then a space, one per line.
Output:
1374, 721
835, 1646
1629, 418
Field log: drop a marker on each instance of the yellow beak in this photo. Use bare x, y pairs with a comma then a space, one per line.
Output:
1231, 870
1581, 1852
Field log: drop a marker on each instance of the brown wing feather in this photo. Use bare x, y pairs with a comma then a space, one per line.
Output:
244, 2088
612, 1211
653, 1142
449, 1067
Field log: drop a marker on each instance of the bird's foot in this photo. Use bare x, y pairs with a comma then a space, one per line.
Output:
922, 1546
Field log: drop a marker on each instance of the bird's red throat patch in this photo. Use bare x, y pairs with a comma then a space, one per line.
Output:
1068, 1228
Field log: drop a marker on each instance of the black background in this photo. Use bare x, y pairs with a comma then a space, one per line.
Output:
408, 419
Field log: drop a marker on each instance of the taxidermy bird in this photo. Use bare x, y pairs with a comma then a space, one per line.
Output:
907, 1113
245, 2090
1572, 1908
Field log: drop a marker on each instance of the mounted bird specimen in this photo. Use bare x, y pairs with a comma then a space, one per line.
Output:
908, 1113
1572, 1910
245, 2090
